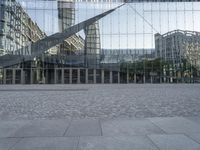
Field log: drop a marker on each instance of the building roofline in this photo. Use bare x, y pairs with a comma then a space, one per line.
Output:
186, 32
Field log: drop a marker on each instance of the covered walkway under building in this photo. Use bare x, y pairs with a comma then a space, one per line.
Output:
74, 75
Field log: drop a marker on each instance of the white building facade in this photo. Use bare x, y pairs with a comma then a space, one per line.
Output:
178, 45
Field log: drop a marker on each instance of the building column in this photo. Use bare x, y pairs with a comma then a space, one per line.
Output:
111, 77
102, 76
144, 79
4, 76
118, 77
171, 79
13, 75
62, 76
70, 76
43, 76
79, 76
127, 77
95, 76
55, 75
38, 79
86, 76
22, 76
46, 76
31, 76
164, 79
135, 78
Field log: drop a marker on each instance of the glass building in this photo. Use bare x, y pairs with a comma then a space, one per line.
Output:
99, 41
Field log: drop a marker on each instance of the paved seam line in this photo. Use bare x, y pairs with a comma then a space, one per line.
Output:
78, 143
47, 90
67, 127
152, 142
20, 139
191, 138
100, 125
157, 126
34, 136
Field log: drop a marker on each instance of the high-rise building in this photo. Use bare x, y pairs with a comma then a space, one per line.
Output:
177, 45
66, 14
16, 28
92, 44
92, 40
66, 18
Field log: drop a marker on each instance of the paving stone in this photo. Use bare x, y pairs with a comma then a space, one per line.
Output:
195, 136
43, 128
195, 119
129, 127
8, 128
7, 143
84, 127
105, 101
174, 142
52, 143
176, 125
116, 143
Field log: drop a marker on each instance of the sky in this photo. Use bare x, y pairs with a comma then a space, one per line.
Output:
131, 27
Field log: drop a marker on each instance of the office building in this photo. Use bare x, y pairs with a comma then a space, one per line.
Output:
179, 45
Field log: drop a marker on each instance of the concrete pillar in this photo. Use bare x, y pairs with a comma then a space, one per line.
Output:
22, 76
95, 76
79, 76
31, 76
111, 77
70, 76
46, 76
118, 77
62, 76
102, 76
144, 79
86, 76
135, 78
171, 80
43, 76
13, 76
164, 79
38, 75
4, 76
55, 75
127, 77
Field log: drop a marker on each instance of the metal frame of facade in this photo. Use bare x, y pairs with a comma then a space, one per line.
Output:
34, 62
39, 47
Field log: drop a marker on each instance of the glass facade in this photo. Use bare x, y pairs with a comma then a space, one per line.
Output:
138, 42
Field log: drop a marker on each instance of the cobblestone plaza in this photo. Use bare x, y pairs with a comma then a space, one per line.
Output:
100, 117
138, 41
99, 75
99, 101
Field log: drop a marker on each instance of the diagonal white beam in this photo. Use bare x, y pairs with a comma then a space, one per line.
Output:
48, 42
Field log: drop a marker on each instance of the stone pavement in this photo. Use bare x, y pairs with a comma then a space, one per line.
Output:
156, 133
105, 101
100, 117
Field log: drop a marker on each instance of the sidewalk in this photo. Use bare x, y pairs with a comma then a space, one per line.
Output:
171, 133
